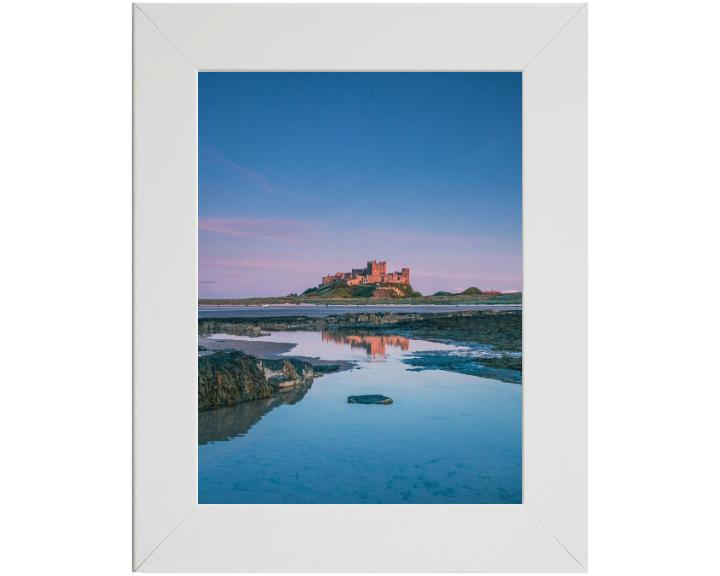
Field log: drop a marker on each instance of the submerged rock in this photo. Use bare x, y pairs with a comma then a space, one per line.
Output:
326, 368
505, 368
503, 362
369, 399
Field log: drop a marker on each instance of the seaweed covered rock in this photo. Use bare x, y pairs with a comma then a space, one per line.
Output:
230, 377
505, 362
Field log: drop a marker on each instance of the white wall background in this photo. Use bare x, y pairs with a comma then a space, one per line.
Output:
66, 263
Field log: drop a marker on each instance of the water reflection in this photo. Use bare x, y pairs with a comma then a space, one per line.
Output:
448, 438
226, 423
373, 344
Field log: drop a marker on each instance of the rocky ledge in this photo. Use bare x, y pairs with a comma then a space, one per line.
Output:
207, 328
504, 368
231, 377
254, 326
287, 372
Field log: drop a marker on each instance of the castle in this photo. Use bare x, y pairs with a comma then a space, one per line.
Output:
374, 273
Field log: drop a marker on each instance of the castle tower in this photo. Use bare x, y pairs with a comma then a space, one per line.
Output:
376, 268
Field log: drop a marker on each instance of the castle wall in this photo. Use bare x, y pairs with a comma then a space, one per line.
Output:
376, 268
375, 273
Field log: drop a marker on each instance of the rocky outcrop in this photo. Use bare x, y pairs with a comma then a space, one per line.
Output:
503, 368
208, 328
287, 372
386, 292
369, 399
254, 326
231, 377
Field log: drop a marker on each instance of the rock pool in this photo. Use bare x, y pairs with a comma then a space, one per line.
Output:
446, 438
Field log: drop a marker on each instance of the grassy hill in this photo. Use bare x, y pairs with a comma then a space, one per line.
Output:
331, 291
342, 291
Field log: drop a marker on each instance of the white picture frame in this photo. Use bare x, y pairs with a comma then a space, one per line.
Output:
548, 531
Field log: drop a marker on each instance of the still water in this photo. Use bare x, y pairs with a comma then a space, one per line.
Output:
447, 437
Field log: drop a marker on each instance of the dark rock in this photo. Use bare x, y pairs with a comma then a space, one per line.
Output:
327, 369
369, 399
230, 377
504, 362
243, 329
505, 369
202, 349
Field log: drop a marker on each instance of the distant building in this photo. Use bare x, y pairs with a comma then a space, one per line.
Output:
373, 273
492, 293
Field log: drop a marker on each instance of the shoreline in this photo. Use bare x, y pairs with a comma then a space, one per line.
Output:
288, 305
511, 298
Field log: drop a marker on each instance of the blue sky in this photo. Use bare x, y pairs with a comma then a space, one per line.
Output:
307, 174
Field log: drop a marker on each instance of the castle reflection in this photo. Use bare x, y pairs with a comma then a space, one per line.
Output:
373, 344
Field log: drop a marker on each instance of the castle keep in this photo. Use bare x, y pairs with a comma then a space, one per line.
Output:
374, 273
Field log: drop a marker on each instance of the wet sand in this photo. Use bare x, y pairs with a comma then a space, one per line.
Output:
267, 351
